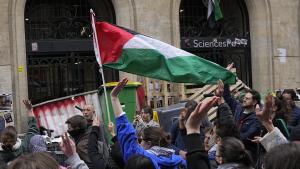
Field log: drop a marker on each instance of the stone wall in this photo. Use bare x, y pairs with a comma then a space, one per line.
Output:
273, 24
285, 33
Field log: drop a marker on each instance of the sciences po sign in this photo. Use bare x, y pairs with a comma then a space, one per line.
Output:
202, 43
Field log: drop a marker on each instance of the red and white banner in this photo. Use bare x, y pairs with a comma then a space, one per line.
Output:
53, 114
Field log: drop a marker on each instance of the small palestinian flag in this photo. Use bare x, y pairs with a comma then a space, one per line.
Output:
214, 12
128, 51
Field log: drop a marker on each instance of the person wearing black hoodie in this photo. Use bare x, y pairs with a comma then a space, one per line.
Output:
77, 128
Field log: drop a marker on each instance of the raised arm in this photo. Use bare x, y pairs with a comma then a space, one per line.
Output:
29, 108
125, 132
32, 125
93, 148
196, 155
115, 99
224, 112
264, 116
224, 91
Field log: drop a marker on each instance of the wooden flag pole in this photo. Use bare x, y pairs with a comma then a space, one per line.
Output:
98, 58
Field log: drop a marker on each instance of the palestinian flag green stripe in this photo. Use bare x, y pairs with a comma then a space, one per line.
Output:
186, 69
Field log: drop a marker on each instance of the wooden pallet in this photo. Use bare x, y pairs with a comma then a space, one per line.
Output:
209, 89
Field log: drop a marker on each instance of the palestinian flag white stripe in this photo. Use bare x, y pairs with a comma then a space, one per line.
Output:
144, 42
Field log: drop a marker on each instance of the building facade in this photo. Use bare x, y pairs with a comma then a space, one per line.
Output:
266, 31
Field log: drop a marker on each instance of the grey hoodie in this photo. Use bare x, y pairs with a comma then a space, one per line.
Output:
76, 163
233, 166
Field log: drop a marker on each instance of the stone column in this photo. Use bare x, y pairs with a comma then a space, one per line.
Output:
261, 44
285, 32
17, 55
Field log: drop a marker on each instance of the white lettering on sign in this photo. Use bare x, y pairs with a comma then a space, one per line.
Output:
217, 43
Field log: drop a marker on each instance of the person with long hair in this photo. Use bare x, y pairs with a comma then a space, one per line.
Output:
266, 116
231, 154
281, 115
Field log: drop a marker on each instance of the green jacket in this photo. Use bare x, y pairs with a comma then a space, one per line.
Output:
8, 156
32, 130
21, 146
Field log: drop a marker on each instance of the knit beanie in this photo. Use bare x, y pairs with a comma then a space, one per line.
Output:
37, 144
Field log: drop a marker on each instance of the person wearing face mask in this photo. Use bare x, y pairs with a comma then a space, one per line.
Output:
77, 128
11, 145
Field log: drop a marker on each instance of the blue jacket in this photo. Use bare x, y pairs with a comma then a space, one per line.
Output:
295, 117
249, 126
129, 145
177, 136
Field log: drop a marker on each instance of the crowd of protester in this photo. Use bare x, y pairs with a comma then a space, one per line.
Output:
246, 134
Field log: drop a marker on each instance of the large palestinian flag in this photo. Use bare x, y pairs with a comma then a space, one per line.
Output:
128, 51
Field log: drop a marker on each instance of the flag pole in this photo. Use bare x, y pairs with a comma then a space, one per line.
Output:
98, 58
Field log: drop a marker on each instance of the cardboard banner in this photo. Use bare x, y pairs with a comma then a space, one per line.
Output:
53, 114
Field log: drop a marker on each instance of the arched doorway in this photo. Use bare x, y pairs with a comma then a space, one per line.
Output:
60, 55
226, 41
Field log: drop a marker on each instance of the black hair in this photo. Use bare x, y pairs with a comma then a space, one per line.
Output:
255, 96
290, 92
77, 122
190, 105
282, 109
232, 150
116, 154
157, 136
148, 110
139, 161
226, 128
284, 156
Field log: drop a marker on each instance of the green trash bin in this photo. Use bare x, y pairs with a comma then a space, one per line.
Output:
128, 99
